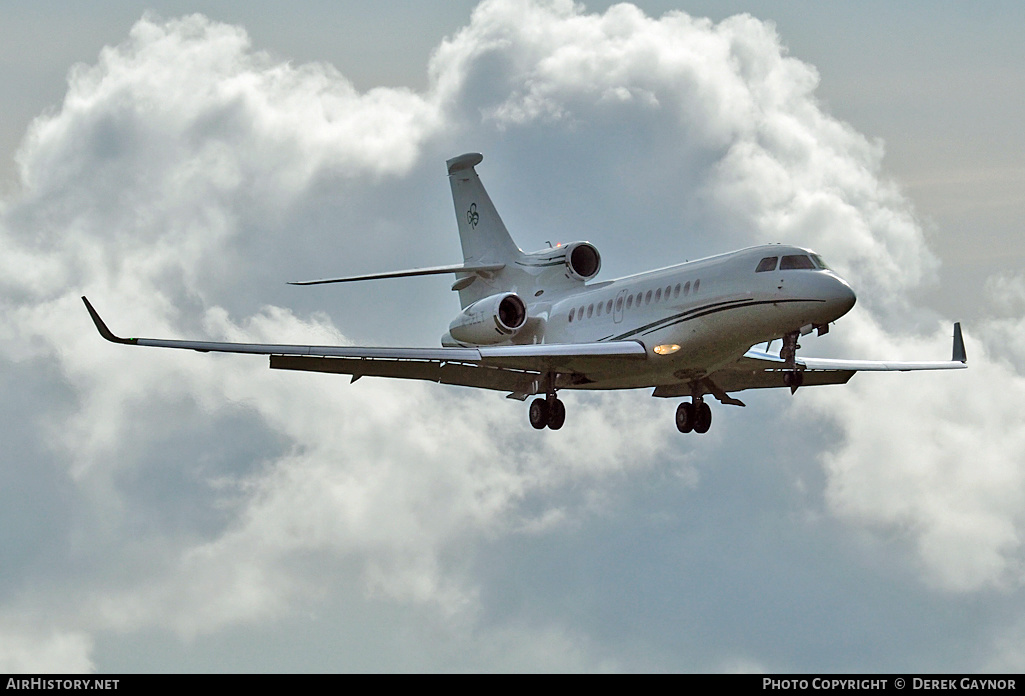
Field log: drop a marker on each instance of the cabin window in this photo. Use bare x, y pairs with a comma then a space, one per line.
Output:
571, 313
619, 304
676, 291
767, 264
597, 311
647, 297
796, 263
590, 310
697, 284
686, 288
608, 307
629, 301
658, 295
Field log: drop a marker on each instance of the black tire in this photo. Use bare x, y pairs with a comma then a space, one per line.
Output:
685, 417
556, 415
703, 418
538, 414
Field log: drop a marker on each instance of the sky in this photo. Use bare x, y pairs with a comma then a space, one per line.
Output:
177, 162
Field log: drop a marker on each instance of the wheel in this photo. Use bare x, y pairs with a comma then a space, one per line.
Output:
538, 413
556, 414
685, 417
703, 418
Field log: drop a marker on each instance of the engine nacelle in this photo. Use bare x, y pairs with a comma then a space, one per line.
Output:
582, 261
493, 319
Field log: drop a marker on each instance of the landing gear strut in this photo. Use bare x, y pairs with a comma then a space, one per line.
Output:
788, 353
549, 411
695, 415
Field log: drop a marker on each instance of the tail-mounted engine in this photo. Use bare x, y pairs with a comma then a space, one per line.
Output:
494, 319
577, 262
582, 261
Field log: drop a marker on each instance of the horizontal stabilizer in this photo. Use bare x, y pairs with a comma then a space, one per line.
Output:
434, 270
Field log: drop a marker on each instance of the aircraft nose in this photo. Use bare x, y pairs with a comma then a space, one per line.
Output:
841, 296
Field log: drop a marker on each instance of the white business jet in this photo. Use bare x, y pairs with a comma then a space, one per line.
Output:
533, 323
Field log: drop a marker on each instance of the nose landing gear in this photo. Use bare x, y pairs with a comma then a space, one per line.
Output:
794, 378
788, 353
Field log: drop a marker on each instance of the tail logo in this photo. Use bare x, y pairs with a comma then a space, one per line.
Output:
472, 217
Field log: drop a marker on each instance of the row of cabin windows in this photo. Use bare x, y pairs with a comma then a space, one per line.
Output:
795, 262
670, 292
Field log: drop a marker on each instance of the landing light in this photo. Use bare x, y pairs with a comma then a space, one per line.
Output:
667, 349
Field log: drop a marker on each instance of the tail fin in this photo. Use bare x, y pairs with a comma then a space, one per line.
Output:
483, 235
481, 230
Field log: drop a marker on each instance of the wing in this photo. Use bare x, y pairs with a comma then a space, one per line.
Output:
516, 369
958, 361
760, 370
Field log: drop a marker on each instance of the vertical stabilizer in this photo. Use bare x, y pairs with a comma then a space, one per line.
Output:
482, 233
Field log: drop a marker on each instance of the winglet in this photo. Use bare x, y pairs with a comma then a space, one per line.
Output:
102, 328
959, 354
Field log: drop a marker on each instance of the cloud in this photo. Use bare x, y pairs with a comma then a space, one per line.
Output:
186, 173
66, 653
946, 474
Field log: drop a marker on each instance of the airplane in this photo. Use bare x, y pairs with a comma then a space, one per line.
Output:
533, 324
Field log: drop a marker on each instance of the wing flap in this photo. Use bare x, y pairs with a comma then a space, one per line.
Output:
461, 374
729, 380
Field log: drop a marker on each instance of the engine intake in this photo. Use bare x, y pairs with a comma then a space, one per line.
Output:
493, 319
582, 261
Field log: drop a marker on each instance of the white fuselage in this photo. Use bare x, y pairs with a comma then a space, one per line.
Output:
713, 309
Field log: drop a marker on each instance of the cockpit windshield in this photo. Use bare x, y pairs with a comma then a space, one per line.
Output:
792, 262
796, 262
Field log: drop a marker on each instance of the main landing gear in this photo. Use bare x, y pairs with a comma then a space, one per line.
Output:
548, 411
696, 416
